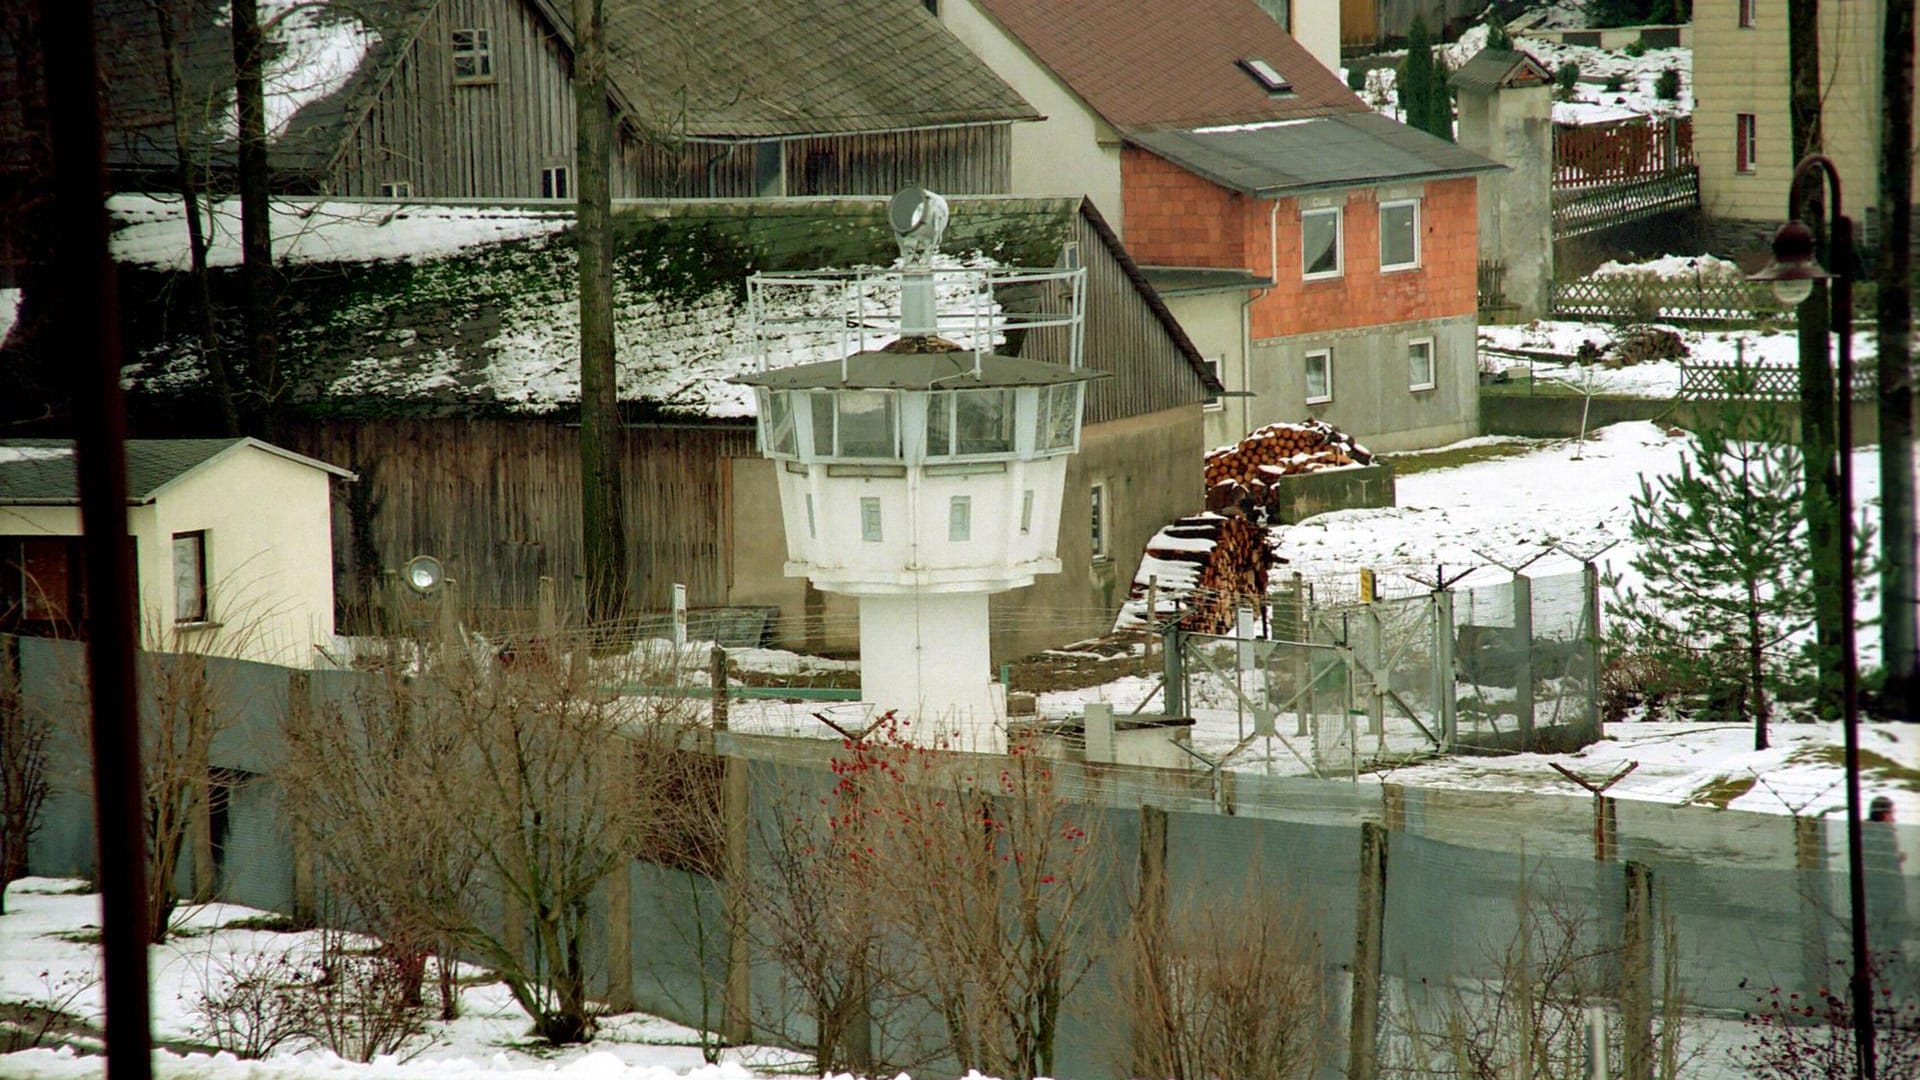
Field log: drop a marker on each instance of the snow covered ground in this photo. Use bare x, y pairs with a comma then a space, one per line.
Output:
49, 956
1764, 347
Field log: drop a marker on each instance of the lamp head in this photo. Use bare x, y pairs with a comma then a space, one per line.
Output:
425, 575
1793, 269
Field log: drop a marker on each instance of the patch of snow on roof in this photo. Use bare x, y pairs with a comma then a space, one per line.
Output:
152, 230
312, 50
1263, 125
11, 454
9, 312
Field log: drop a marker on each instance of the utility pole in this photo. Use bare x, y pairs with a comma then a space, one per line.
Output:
1893, 312
603, 548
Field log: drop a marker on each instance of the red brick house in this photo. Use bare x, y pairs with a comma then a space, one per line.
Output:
1321, 255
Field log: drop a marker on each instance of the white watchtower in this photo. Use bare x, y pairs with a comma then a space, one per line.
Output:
919, 470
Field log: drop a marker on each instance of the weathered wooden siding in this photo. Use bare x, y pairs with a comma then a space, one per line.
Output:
1125, 337
499, 502
468, 140
974, 160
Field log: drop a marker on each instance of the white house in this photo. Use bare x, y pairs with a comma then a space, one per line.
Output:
232, 545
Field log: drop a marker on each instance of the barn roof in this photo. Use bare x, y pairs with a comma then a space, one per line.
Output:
490, 324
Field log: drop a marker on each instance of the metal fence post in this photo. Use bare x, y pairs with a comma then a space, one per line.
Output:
1446, 691
1174, 670
717, 669
737, 993
1523, 657
1590, 582
1373, 640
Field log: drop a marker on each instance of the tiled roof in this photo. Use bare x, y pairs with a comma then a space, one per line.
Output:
1146, 64
1491, 69
1347, 150
42, 471
739, 69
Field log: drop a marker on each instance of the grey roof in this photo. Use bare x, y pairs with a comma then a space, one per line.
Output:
734, 69
1188, 280
1492, 69
951, 369
44, 472
1344, 150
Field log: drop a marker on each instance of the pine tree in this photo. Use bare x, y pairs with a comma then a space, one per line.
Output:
1726, 584
1424, 99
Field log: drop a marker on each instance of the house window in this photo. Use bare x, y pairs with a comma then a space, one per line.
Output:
190, 577
960, 518
1746, 142
41, 580
870, 518
1320, 243
1215, 402
555, 183
1319, 376
472, 55
1747, 13
1400, 235
396, 189
1420, 364
1098, 504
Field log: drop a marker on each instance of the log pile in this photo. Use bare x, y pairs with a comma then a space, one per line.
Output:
1203, 567
1244, 476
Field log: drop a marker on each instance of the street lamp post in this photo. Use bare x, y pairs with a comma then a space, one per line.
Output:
1792, 273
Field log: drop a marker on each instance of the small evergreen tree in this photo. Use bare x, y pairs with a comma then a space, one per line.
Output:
1424, 99
1666, 85
1497, 36
1564, 78
1726, 584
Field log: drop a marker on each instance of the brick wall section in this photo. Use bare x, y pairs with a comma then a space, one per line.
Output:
1443, 285
1175, 218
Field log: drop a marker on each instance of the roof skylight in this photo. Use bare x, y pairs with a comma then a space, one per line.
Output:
1266, 75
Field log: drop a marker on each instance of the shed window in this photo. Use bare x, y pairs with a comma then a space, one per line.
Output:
190, 577
1319, 376
396, 189
1320, 243
472, 55
556, 183
1214, 402
1097, 502
1400, 235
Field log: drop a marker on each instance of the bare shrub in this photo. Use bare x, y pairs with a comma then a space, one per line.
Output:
1223, 988
24, 783
357, 1007
252, 1003
1791, 1036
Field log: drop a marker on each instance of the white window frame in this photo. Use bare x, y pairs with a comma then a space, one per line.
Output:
478, 51
1392, 204
1216, 402
1746, 136
396, 189
1326, 359
1433, 364
1100, 523
193, 605
1339, 243
1026, 512
960, 519
872, 527
556, 182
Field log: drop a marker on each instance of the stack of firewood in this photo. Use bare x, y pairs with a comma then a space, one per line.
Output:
1202, 568
1243, 476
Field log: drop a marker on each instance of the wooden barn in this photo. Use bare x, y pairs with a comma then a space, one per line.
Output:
448, 381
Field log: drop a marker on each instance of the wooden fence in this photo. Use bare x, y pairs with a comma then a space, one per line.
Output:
1722, 380
1650, 299
1604, 155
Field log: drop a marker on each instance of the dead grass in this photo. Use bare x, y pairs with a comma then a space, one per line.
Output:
1876, 768
1433, 460
1721, 791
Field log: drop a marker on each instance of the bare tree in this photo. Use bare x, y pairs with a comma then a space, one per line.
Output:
256, 230
602, 508
24, 783
986, 871
188, 711
1899, 582
1222, 987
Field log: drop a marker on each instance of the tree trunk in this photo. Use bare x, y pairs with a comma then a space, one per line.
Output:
1899, 609
256, 232
602, 512
1822, 494
168, 14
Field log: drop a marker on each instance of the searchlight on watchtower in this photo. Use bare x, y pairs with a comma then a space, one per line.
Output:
921, 418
